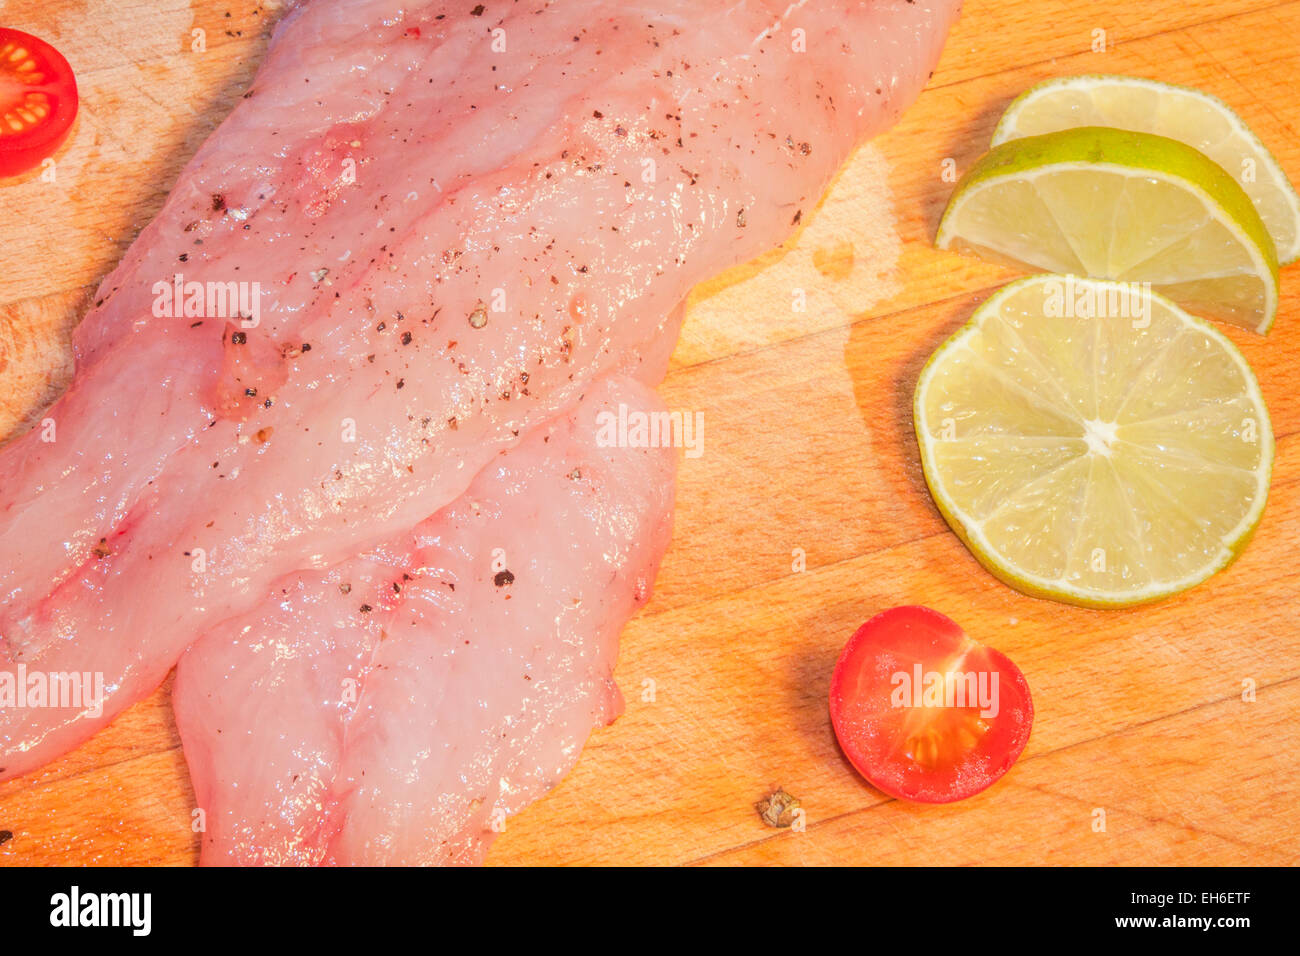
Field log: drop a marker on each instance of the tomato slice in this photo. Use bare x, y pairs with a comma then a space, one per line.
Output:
38, 101
924, 712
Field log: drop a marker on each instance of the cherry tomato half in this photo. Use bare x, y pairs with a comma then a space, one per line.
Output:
38, 101
924, 712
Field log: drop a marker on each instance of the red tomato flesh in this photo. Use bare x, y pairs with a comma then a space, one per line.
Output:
924, 712
38, 101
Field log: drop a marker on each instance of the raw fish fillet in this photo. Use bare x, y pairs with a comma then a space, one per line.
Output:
459, 219
394, 709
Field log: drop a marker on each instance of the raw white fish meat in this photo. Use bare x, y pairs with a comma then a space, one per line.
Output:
395, 708
426, 231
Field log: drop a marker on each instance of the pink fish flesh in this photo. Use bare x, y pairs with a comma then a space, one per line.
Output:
394, 709
423, 233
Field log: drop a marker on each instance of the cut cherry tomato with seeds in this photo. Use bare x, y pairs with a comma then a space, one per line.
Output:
38, 101
924, 712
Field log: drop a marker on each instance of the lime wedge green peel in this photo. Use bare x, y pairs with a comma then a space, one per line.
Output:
1189, 116
1115, 204
1093, 443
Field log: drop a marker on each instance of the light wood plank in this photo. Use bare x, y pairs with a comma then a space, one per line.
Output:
808, 445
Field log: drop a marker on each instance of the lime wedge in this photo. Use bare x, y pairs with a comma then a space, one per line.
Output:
1092, 442
1121, 205
1189, 116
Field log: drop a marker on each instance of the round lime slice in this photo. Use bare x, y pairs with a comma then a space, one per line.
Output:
1117, 204
1092, 442
1189, 116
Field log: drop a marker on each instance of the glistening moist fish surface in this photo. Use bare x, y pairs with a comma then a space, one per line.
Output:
395, 708
457, 220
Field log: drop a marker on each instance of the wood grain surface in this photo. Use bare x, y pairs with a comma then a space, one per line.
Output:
808, 451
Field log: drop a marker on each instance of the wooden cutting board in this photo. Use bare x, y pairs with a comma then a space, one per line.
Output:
806, 513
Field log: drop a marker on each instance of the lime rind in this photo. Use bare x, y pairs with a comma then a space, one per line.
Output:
1270, 181
970, 530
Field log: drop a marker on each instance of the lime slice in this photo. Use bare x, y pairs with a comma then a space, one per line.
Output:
1093, 443
1116, 204
1189, 116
